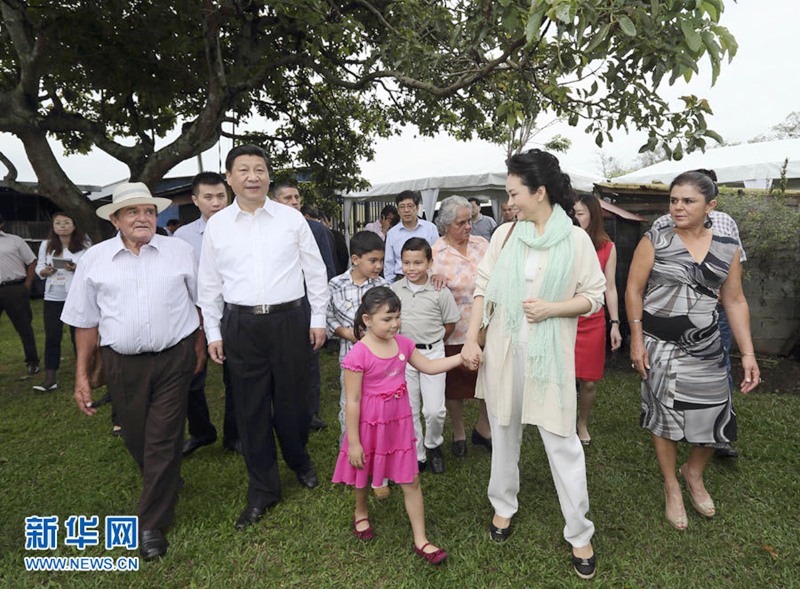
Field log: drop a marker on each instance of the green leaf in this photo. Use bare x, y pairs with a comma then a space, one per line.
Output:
711, 10
693, 40
714, 135
627, 26
563, 13
598, 139
598, 38
678, 153
650, 145
533, 25
655, 7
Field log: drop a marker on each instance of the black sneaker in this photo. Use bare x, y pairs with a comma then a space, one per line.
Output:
421, 466
437, 460
585, 568
459, 448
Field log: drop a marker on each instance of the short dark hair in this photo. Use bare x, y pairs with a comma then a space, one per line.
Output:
364, 242
172, 222
417, 244
475, 200
277, 188
705, 181
405, 195
389, 210
246, 149
309, 210
207, 179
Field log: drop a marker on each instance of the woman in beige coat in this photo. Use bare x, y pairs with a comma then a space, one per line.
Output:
538, 276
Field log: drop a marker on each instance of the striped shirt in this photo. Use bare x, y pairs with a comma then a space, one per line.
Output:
143, 303
723, 224
346, 297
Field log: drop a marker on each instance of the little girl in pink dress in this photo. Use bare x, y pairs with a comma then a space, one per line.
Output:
380, 443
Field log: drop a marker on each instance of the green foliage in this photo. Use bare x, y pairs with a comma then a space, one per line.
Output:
328, 76
769, 228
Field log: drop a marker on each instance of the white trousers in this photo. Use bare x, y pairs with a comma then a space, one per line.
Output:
428, 390
567, 465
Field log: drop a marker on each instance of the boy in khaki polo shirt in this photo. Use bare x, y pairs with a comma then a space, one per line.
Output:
429, 317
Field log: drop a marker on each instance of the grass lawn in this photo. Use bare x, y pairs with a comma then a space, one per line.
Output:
56, 461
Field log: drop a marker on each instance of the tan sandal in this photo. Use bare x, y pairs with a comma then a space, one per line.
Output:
679, 522
705, 508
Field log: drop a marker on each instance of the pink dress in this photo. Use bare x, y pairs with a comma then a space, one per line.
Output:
386, 427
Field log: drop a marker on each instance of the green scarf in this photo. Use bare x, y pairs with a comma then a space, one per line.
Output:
507, 289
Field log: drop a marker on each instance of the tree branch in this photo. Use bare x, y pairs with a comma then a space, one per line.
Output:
10, 179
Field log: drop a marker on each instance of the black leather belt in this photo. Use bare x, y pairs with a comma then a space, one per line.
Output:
265, 309
427, 346
12, 282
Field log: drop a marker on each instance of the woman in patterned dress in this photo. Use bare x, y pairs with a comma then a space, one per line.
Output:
456, 256
676, 347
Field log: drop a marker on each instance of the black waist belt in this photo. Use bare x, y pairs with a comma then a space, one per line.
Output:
12, 282
427, 346
265, 309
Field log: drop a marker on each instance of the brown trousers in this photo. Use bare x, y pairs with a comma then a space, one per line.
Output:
150, 393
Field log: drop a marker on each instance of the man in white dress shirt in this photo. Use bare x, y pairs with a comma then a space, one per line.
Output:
138, 290
257, 257
210, 196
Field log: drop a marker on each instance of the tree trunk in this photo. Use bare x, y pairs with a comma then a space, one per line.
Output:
56, 186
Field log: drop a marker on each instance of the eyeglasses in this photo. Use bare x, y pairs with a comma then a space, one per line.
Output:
406, 207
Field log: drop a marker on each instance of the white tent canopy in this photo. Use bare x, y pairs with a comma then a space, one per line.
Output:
755, 165
488, 183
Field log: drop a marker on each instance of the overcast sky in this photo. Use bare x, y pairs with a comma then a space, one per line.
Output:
756, 91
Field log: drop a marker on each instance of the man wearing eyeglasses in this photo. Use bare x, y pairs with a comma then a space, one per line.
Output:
410, 226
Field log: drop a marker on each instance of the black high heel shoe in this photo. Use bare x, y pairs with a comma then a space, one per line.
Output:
479, 440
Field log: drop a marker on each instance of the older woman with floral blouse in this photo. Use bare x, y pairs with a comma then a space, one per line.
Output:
456, 256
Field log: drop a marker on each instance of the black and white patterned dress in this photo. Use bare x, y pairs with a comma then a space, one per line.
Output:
686, 396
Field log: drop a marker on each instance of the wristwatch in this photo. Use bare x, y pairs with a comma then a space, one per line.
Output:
616, 321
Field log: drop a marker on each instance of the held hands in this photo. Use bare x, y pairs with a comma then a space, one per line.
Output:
471, 355
83, 394
215, 352
616, 338
752, 375
641, 362
48, 271
537, 310
355, 455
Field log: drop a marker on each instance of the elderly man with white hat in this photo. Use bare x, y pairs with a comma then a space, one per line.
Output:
138, 291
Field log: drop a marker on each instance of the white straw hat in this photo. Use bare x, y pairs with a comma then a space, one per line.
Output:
130, 194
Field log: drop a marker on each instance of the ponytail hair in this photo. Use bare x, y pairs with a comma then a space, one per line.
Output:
373, 301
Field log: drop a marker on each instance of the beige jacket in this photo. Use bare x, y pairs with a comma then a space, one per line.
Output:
496, 373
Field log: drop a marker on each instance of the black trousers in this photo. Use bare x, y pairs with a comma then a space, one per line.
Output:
268, 359
53, 332
149, 393
16, 301
197, 415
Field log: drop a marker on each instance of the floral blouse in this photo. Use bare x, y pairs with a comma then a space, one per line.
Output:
460, 272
